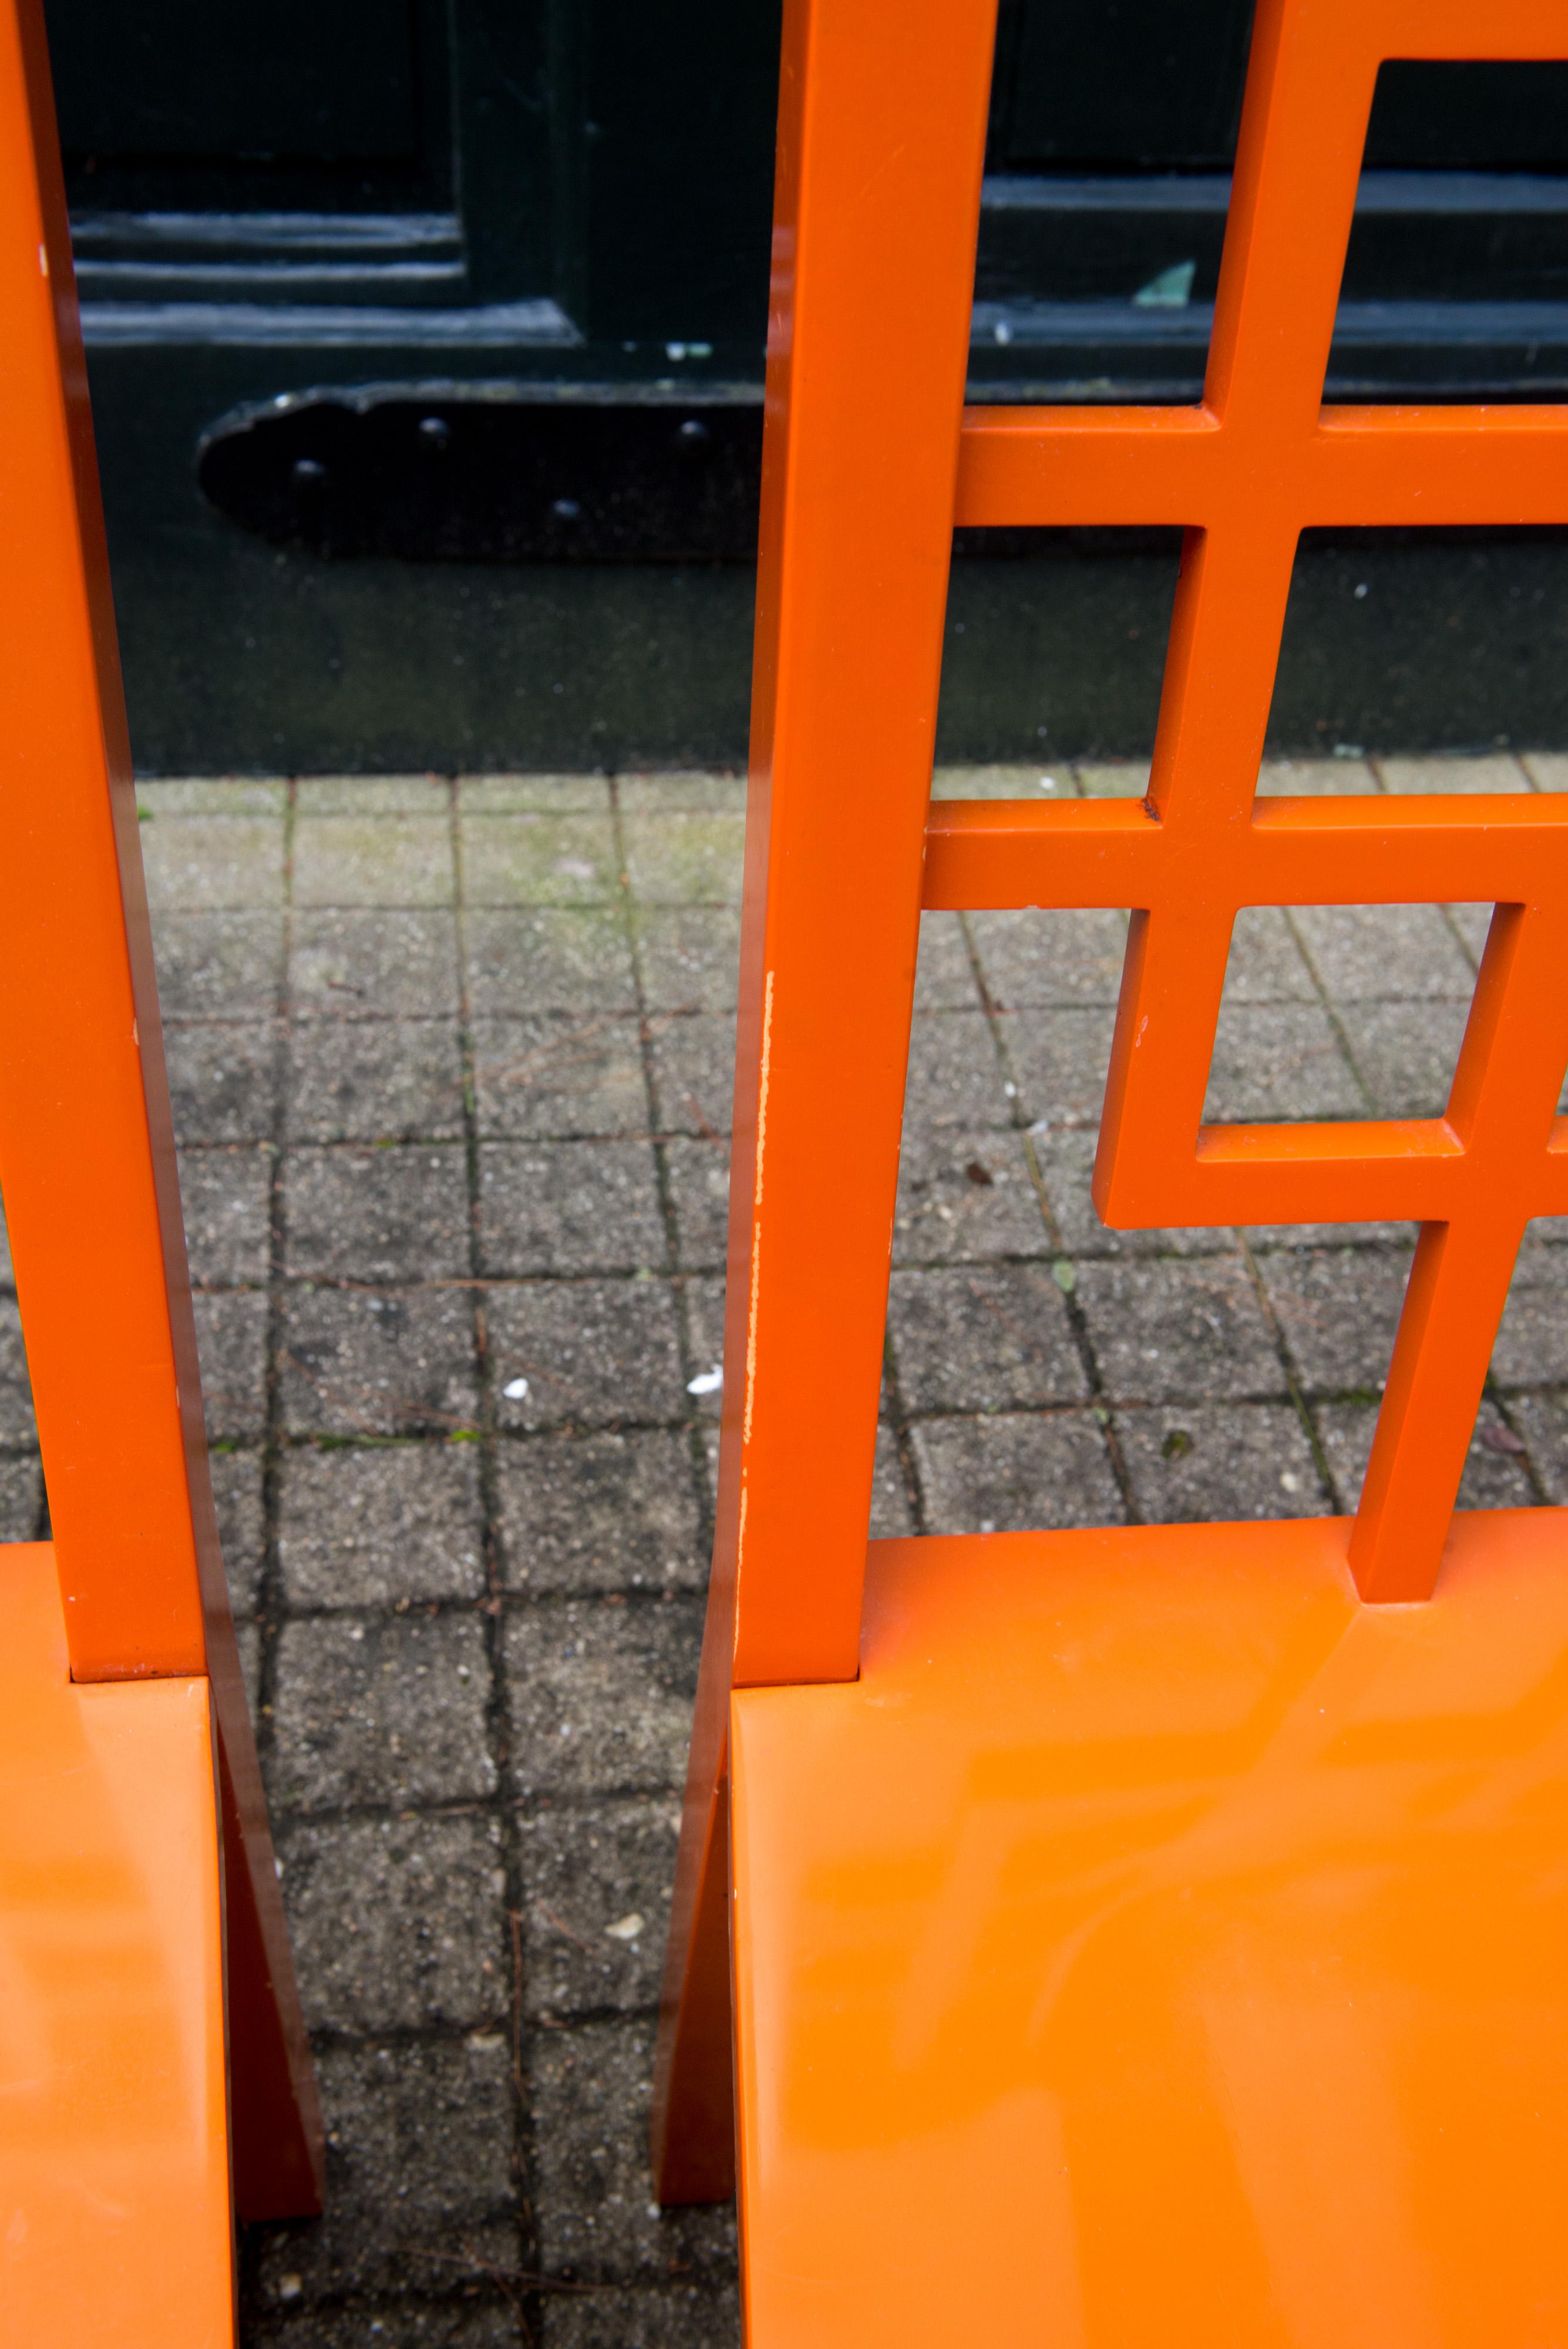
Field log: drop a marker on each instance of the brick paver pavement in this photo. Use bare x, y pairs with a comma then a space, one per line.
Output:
451, 1074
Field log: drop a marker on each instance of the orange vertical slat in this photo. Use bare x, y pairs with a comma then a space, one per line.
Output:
876, 214
868, 340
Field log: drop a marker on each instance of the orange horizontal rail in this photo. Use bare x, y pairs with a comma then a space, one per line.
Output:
996, 853
1356, 468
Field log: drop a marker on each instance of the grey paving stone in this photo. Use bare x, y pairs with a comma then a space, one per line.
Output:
374, 1080
419, 2192
704, 1299
604, 1860
954, 1076
601, 1513
944, 975
203, 861
998, 781
209, 795
367, 1364
596, 1881
368, 1526
230, 1343
699, 1175
542, 794
1113, 778
1339, 1309
1179, 1330
377, 1214
983, 1338
1543, 1421
1453, 773
427, 795
486, 2321
1205, 1462
593, 1353
1037, 960
601, 1693
699, 788
1315, 777
556, 1077
1059, 1060
693, 1072
379, 1710
891, 1517
529, 959
16, 1422
381, 962
1532, 1347
1067, 1163
241, 1528
1265, 964
1494, 1478
1278, 1061
223, 1081
689, 955
1473, 923
593, 2204
1405, 1052
1547, 770
218, 964
1375, 954
539, 860
1491, 1479
1268, 1237
247, 1640
226, 1198
21, 1498
963, 1193
395, 1923
569, 1207
1022, 1470
681, 2316
685, 859
397, 1920
372, 860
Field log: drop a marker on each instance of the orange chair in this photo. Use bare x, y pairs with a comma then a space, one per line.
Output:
142, 1935
1145, 1935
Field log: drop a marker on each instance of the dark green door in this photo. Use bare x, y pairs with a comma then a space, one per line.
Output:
388, 281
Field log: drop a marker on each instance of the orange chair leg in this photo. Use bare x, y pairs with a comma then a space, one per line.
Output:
275, 2112
693, 2093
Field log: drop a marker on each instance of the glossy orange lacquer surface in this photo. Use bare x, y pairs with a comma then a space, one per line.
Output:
1158, 1946
115, 2220
86, 1145
869, 460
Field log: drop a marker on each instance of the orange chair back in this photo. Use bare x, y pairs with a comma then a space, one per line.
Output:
870, 459
87, 1146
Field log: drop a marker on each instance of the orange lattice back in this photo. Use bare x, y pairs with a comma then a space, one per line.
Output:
1258, 462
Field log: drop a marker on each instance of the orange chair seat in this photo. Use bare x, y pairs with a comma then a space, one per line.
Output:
115, 2223
1156, 1945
